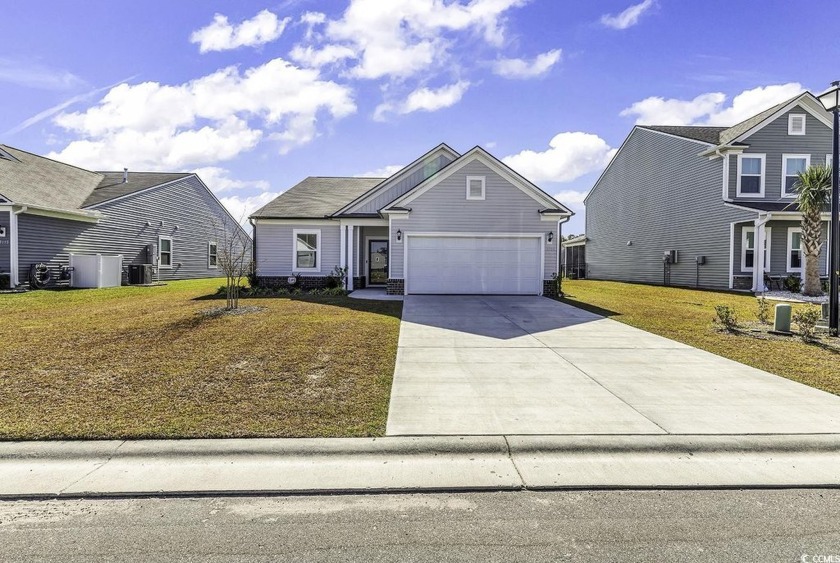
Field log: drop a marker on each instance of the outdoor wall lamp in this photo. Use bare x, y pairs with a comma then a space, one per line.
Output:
399, 235
550, 236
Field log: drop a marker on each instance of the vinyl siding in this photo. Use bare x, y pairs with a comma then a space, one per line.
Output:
444, 208
184, 211
5, 243
275, 243
778, 247
658, 194
773, 141
420, 172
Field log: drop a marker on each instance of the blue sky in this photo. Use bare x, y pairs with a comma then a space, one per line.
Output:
256, 96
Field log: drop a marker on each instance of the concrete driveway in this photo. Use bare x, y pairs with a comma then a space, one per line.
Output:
531, 365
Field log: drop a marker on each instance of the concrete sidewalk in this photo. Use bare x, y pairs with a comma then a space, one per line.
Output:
413, 464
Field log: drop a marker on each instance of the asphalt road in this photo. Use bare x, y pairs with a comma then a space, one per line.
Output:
743, 526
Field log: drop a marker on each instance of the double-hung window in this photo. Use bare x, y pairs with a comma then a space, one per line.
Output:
307, 250
165, 252
212, 255
751, 175
794, 249
792, 165
748, 240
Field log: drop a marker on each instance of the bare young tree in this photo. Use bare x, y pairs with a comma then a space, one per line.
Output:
233, 257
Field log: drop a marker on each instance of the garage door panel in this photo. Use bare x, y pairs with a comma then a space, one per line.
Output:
481, 265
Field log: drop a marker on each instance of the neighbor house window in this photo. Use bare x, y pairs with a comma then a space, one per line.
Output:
307, 253
165, 252
751, 175
792, 165
475, 187
212, 255
748, 249
794, 249
796, 124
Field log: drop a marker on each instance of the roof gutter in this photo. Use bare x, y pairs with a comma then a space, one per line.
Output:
70, 215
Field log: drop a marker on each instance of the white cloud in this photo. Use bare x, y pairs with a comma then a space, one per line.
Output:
384, 172
569, 156
425, 99
35, 75
710, 108
316, 58
627, 18
401, 38
242, 207
218, 180
220, 35
521, 68
207, 120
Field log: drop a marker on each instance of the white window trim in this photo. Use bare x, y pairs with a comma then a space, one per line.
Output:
829, 160
768, 243
785, 158
171, 253
791, 116
295, 233
482, 179
763, 158
209, 265
792, 230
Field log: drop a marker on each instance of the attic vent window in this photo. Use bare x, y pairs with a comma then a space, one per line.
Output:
475, 187
796, 124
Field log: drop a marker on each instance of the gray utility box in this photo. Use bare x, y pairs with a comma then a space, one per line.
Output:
140, 274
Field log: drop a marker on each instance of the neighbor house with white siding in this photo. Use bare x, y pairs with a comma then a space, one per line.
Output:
447, 223
690, 206
50, 210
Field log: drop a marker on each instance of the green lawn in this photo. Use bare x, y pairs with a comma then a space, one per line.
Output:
138, 362
686, 315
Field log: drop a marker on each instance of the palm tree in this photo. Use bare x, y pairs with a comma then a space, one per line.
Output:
813, 193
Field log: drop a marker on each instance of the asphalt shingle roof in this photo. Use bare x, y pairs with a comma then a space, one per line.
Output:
695, 132
112, 185
35, 180
317, 197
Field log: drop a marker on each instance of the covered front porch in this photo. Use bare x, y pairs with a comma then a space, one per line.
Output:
365, 252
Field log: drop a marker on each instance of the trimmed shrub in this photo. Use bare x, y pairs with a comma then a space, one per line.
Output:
806, 319
726, 318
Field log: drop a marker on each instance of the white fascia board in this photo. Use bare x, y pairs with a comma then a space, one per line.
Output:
387, 182
804, 100
85, 217
364, 222
491, 162
304, 222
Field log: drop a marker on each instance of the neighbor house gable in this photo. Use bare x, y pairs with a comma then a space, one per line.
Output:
402, 181
806, 101
551, 205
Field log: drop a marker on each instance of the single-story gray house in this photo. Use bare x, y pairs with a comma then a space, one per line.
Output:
706, 206
50, 210
447, 223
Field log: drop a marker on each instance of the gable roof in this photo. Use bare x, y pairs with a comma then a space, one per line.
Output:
700, 133
805, 100
112, 185
316, 197
478, 153
35, 180
396, 177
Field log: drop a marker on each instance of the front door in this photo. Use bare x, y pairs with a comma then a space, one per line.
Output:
377, 262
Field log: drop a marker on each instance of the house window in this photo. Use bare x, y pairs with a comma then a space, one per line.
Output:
792, 165
307, 250
751, 175
212, 255
165, 252
794, 249
475, 187
796, 124
748, 249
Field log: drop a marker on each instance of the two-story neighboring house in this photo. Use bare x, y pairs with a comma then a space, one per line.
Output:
709, 197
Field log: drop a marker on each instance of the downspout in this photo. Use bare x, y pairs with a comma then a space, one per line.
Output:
14, 251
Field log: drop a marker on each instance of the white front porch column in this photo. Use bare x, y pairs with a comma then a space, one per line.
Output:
758, 261
342, 251
351, 235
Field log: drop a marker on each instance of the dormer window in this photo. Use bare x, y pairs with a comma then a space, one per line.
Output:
796, 124
475, 187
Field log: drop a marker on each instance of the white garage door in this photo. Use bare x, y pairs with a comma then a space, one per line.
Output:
473, 265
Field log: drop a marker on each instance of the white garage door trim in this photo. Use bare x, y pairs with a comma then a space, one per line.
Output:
540, 236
